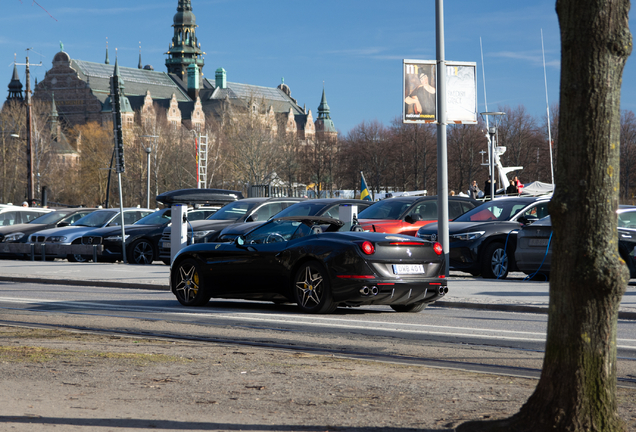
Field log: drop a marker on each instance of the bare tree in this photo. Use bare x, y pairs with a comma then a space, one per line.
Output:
577, 388
414, 146
628, 155
464, 160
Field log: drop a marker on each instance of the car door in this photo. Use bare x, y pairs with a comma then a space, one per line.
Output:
264, 247
419, 214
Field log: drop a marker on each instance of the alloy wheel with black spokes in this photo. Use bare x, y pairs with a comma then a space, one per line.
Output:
188, 286
311, 289
141, 252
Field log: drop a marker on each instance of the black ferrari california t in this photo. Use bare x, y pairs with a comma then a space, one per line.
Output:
307, 261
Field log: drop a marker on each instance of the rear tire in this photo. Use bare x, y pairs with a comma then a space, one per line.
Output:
311, 289
412, 308
495, 262
189, 286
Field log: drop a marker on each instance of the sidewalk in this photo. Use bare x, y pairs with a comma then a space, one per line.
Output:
512, 294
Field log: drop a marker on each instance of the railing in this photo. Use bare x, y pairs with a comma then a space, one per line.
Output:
53, 250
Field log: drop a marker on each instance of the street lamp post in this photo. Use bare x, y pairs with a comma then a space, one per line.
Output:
148, 151
492, 134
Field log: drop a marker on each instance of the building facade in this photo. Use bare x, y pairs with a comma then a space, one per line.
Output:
82, 90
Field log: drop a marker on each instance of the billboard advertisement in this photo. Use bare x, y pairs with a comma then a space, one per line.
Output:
420, 97
461, 92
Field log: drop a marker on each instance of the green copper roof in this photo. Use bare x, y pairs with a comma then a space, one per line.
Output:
323, 108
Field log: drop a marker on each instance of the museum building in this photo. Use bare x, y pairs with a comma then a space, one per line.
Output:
79, 90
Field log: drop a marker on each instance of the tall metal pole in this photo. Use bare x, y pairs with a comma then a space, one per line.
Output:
29, 121
29, 125
148, 150
442, 154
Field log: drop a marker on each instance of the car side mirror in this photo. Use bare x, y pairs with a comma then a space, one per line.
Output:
240, 243
63, 224
526, 221
409, 219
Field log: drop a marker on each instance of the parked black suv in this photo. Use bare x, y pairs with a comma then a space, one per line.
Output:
483, 240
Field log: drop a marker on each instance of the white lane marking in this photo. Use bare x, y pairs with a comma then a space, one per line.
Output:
296, 320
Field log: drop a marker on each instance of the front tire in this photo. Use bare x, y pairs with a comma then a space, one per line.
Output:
189, 288
77, 258
141, 252
412, 308
311, 289
496, 263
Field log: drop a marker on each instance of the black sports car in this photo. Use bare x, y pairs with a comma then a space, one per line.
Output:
483, 240
305, 260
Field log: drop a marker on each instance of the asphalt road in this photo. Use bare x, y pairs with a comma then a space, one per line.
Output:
469, 339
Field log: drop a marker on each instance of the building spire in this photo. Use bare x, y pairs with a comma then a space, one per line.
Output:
54, 117
323, 108
184, 49
324, 125
140, 65
15, 86
107, 60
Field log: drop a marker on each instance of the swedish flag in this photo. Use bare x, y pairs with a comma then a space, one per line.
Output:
364, 191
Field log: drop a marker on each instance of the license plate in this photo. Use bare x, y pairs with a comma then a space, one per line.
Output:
408, 268
538, 242
166, 245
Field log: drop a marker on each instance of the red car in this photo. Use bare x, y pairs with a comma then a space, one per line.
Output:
405, 215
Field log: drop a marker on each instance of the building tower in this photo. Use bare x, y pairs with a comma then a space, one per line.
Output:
324, 125
184, 49
15, 86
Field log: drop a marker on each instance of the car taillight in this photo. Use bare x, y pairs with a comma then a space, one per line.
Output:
437, 248
367, 248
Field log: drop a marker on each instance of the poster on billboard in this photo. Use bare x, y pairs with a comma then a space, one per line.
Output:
461, 92
420, 98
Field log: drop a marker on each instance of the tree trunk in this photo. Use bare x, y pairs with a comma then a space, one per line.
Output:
577, 388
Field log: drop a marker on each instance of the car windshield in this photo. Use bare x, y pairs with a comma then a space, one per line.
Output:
95, 219
302, 209
627, 219
390, 208
278, 231
159, 217
51, 218
233, 211
501, 210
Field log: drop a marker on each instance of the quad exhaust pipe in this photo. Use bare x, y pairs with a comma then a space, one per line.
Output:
365, 290
374, 290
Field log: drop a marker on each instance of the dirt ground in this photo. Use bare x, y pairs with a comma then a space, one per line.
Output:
56, 380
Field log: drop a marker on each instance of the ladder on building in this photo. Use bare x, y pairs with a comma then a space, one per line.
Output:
202, 163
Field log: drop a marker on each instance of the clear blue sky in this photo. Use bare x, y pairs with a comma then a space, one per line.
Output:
355, 47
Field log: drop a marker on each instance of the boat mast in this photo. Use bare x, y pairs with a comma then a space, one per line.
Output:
547, 107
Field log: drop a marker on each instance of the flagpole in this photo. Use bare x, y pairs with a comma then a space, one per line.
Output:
364, 182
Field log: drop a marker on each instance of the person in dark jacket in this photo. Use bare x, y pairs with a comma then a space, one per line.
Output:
512, 189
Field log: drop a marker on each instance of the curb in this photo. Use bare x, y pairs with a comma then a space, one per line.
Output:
511, 308
94, 283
